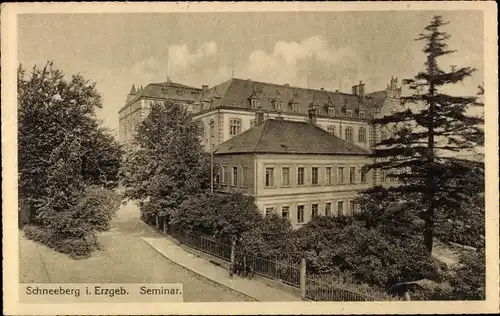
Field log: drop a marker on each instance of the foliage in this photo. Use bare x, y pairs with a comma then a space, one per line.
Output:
166, 163
271, 239
422, 153
76, 248
62, 148
345, 245
219, 215
469, 278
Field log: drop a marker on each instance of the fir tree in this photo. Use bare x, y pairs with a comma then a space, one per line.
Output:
432, 134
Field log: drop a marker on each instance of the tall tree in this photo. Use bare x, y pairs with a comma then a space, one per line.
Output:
166, 164
62, 147
432, 135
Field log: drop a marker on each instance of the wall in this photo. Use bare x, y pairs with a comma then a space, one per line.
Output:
245, 165
293, 195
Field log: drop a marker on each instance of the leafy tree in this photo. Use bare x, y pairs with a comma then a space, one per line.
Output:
65, 160
271, 239
166, 163
422, 153
223, 216
62, 148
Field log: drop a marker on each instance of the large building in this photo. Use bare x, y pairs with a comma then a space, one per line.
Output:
228, 109
296, 169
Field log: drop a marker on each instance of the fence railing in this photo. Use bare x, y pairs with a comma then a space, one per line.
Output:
312, 287
321, 289
202, 243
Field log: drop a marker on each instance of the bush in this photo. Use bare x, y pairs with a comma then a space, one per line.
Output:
469, 277
220, 215
76, 248
343, 245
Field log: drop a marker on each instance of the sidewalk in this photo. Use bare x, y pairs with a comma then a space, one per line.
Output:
255, 289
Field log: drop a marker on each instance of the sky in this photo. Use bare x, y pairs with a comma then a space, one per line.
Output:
331, 50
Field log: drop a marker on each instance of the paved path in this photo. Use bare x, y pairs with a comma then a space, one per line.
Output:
252, 288
124, 258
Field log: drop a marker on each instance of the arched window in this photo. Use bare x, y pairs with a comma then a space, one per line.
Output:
348, 134
362, 135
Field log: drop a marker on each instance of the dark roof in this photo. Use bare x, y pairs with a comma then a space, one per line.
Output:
281, 136
237, 92
167, 90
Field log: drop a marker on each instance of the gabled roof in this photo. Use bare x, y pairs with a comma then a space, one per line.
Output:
237, 92
288, 137
167, 90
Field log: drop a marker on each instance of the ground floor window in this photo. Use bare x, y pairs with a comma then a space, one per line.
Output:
314, 209
328, 209
300, 213
340, 208
269, 210
285, 212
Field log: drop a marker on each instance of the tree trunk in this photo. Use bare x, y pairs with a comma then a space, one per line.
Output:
429, 230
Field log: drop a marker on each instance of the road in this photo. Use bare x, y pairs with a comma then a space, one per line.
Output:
124, 258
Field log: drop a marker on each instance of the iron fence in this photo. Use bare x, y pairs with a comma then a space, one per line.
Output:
284, 272
202, 243
324, 289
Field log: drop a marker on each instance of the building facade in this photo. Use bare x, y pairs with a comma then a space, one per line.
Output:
228, 109
295, 169
139, 103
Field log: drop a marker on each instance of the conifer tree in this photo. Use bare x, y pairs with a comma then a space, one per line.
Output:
426, 153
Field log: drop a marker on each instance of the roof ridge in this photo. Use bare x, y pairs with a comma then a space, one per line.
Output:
261, 134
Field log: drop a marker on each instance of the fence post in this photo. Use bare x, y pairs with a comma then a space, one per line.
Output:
233, 256
157, 222
165, 225
303, 278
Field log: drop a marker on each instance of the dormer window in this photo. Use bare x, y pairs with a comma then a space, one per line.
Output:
254, 103
362, 115
331, 111
294, 106
349, 113
180, 92
278, 105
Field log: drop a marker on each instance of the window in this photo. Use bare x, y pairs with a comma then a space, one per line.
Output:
363, 176
349, 113
269, 210
331, 112
314, 175
348, 134
361, 115
234, 127
269, 177
216, 174
300, 213
285, 176
328, 209
383, 135
383, 176
254, 103
278, 105
340, 176
294, 107
328, 175
314, 210
235, 176
300, 176
340, 208
362, 135
225, 175
331, 129
352, 175
285, 212
351, 207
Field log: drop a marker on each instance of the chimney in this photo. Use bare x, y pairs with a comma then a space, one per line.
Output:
259, 117
311, 116
355, 90
286, 85
322, 89
361, 91
204, 87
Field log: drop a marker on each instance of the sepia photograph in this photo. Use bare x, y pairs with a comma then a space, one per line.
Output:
231, 156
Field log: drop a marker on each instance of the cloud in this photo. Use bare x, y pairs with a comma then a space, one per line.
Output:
180, 59
312, 60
